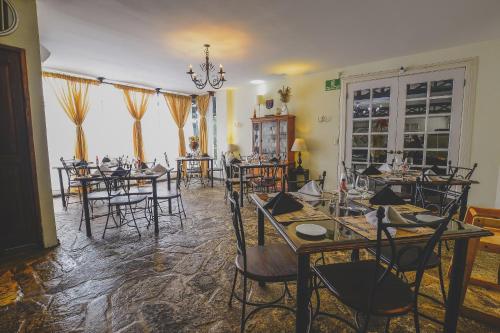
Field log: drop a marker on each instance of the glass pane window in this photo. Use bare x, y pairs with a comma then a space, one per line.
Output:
438, 141
360, 141
416, 156
379, 141
442, 88
416, 90
359, 155
438, 124
360, 126
416, 107
361, 109
380, 125
439, 158
415, 124
440, 105
378, 156
414, 141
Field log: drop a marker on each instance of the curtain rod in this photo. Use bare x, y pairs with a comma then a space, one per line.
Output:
103, 80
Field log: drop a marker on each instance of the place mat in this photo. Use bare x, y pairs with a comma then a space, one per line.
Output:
360, 225
402, 209
307, 213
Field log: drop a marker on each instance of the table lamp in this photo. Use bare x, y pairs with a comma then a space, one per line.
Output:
299, 145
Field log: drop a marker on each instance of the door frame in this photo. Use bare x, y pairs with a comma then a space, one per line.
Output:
469, 101
31, 147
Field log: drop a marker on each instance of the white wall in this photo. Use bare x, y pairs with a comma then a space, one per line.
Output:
310, 100
108, 128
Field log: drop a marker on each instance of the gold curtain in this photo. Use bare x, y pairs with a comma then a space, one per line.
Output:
179, 109
203, 102
73, 98
137, 104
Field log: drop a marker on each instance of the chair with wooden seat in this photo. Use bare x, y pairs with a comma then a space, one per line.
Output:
488, 218
228, 176
373, 289
262, 263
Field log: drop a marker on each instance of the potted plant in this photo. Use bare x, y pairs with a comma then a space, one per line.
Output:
285, 94
194, 144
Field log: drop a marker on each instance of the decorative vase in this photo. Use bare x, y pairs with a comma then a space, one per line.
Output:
284, 108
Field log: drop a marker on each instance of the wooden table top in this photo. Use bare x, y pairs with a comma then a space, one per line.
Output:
342, 237
408, 179
194, 158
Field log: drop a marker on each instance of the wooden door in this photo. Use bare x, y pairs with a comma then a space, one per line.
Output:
19, 217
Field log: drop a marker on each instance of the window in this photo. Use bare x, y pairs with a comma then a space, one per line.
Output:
417, 117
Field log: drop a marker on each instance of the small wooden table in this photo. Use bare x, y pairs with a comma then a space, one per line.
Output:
340, 237
208, 159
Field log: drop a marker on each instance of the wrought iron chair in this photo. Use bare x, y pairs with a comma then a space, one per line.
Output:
120, 200
372, 289
168, 196
71, 174
263, 263
229, 176
267, 179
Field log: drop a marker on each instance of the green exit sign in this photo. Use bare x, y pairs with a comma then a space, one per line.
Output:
332, 84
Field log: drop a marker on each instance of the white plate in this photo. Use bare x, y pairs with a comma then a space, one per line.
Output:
312, 230
427, 218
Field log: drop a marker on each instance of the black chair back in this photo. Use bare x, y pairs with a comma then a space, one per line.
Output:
115, 183
424, 254
461, 172
238, 228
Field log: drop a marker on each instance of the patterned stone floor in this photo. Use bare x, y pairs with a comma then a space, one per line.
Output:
176, 282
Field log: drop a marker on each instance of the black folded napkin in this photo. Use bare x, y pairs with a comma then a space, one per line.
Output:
371, 170
119, 172
283, 203
235, 161
144, 165
386, 196
106, 160
274, 160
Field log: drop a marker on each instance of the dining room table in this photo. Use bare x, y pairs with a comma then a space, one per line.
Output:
243, 167
412, 178
202, 159
152, 176
350, 233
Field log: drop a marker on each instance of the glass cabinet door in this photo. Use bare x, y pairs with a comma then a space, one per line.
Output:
256, 138
269, 138
284, 139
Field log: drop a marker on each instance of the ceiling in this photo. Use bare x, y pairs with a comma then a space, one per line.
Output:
152, 42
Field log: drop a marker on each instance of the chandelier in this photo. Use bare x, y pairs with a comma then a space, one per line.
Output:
208, 68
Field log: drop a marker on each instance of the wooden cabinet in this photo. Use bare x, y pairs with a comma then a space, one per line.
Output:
273, 136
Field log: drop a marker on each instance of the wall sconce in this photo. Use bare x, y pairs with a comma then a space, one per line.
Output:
237, 124
324, 119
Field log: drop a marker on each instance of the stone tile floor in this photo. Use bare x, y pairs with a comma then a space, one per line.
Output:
176, 282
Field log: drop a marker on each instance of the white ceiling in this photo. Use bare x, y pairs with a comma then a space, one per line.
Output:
151, 42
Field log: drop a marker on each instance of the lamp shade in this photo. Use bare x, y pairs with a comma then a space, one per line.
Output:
299, 145
261, 99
